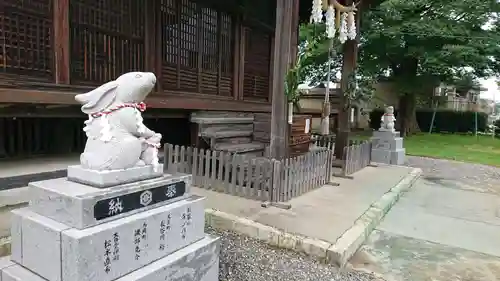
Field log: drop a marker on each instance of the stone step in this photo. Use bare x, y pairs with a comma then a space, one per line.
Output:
227, 134
58, 252
241, 148
214, 117
196, 262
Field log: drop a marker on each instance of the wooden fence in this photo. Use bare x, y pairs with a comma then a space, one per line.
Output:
355, 157
257, 178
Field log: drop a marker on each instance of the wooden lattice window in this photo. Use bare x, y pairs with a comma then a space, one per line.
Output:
107, 39
197, 53
257, 64
25, 36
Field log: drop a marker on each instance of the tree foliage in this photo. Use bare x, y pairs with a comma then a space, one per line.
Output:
426, 42
431, 40
316, 64
417, 45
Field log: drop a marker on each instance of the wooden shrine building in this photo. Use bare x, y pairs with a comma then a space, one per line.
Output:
211, 55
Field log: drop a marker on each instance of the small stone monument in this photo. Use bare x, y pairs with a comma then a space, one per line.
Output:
117, 216
387, 143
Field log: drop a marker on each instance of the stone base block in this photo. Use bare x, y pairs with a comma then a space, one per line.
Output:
80, 206
19, 273
395, 157
110, 178
107, 251
5, 262
386, 134
387, 144
196, 262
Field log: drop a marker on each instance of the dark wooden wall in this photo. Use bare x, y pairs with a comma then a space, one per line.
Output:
201, 51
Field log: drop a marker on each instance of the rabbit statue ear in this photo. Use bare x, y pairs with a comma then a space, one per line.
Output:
97, 100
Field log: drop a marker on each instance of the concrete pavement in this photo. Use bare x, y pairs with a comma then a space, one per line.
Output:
330, 222
440, 230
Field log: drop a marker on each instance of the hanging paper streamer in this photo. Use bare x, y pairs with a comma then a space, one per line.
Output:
330, 22
106, 129
139, 122
351, 26
343, 28
155, 162
317, 12
87, 125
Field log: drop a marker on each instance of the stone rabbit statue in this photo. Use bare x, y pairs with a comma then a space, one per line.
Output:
387, 120
117, 137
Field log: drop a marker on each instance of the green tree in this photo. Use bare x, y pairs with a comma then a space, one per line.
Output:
420, 43
315, 66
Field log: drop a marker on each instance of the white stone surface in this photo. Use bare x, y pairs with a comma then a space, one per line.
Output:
40, 244
386, 134
387, 148
108, 178
73, 203
388, 144
196, 262
19, 273
57, 252
384, 156
16, 236
4, 263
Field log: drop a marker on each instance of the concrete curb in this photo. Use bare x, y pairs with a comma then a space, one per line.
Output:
341, 251
349, 242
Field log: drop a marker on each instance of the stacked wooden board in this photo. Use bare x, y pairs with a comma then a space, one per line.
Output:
300, 135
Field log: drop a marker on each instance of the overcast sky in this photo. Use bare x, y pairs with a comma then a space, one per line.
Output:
493, 92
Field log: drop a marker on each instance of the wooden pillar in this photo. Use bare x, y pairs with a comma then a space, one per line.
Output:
350, 56
239, 61
3, 133
295, 31
279, 126
61, 41
153, 40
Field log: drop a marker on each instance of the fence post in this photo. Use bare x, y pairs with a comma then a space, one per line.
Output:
276, 183
329, 164
276, 187
169, 154
345, 160
165, 158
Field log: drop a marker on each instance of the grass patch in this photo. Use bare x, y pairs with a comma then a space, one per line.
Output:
466, 148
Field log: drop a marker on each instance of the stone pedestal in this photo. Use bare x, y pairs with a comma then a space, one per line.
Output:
147, 230
388, 148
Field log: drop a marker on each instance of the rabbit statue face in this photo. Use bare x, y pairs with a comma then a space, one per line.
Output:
131, 87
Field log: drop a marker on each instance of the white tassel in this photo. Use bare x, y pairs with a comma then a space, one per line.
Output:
330, 22
106, 129
87, 123
343, 28
317, 12
155, 161
141, 129
351, 28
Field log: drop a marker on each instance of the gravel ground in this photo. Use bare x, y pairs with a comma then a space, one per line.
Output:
468, 173
247, 259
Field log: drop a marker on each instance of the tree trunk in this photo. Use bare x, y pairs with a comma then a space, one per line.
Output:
407, 117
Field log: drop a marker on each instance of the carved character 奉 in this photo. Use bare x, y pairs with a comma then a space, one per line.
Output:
117, 137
